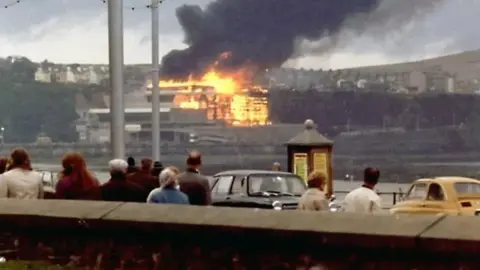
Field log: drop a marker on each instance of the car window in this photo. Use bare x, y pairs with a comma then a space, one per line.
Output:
222, 185
238, 185
435, 192
276, 183
417, 191
467, 188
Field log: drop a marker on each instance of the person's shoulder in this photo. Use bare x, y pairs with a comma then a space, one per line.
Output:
106, 184
9, 173
184, 197
182, 175
183, 194
354, 192
374, 195
203, 177
155, 193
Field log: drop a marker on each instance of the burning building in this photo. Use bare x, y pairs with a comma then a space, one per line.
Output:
223, 97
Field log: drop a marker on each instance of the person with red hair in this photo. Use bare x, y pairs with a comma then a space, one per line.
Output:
76, 182
314, 199
21, 181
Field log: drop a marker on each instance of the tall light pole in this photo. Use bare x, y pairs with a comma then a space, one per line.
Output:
115, 53
155, 82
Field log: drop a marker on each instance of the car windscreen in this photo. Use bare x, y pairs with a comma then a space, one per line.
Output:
467, 188
418, 191
276, 184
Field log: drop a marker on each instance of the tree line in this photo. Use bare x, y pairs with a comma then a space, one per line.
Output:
29, 108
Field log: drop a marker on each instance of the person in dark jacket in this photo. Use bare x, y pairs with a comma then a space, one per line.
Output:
131, 165
144, 177
118, 188
192, 183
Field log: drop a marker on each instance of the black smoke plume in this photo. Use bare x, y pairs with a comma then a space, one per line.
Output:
262, 33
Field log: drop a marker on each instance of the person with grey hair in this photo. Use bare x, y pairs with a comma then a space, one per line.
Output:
118, 188
168, 192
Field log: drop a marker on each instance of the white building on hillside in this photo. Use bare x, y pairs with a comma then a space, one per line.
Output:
43, 75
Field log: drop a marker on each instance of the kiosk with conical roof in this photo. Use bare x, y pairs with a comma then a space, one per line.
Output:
311, 151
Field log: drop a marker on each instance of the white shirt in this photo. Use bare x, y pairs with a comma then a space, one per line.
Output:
22, 184
362, 200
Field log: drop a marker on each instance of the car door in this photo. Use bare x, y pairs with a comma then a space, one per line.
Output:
238, 194
221, 191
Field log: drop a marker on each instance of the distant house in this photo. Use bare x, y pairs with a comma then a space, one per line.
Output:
43, 75
78, 74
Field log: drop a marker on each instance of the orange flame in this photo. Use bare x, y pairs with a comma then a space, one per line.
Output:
222, 95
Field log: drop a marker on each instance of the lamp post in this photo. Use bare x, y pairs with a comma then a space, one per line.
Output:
155, 83
115, 50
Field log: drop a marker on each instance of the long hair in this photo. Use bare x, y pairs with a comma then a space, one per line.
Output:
19, 159
74, 165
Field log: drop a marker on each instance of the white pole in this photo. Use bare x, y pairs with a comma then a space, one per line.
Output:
155, 82
115, 50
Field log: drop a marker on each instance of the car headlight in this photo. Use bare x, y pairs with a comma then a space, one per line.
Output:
277, 205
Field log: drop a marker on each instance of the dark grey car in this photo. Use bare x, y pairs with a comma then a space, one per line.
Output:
257, 189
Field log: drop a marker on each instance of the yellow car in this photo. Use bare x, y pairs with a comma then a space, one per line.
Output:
441, 195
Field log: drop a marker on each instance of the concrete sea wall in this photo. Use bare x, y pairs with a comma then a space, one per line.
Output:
113, 235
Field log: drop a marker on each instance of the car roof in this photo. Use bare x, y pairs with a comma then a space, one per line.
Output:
248, 172
449, 179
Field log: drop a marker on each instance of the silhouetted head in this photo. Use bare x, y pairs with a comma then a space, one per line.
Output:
131, 162
371, 176
194, 160
276, 167
19, 159
157, 168
146, 164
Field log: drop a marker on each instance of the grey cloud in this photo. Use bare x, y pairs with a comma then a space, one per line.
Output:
28, 13
452, 25
449, 28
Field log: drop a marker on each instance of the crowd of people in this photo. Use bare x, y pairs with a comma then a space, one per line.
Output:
150, 182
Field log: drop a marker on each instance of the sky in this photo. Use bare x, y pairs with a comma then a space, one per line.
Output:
73, 31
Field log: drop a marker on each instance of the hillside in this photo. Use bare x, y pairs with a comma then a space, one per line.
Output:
465, 65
